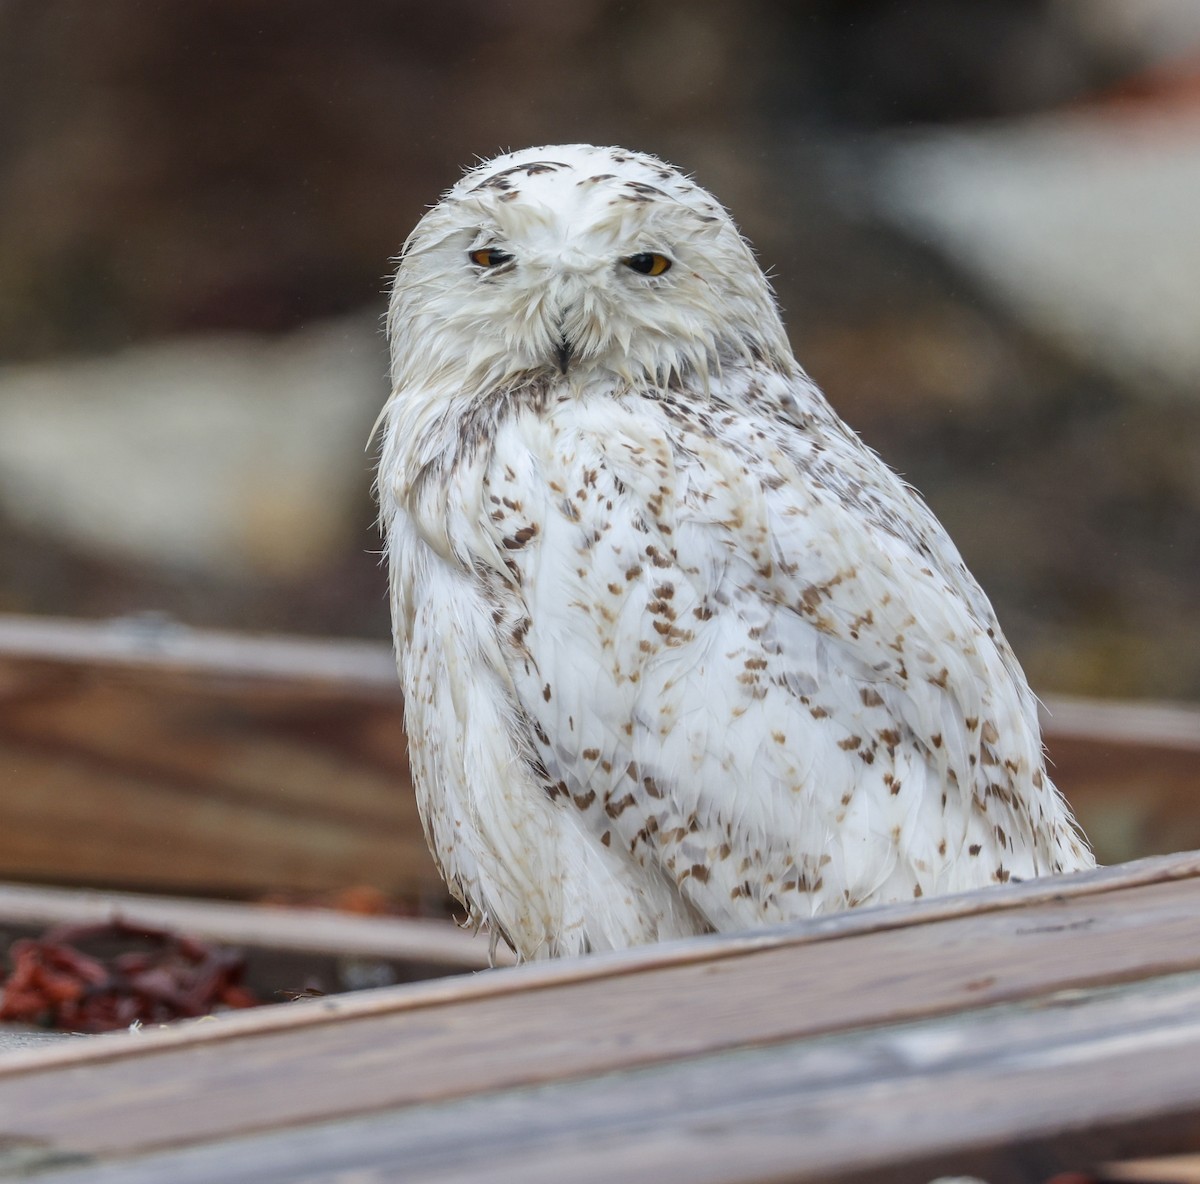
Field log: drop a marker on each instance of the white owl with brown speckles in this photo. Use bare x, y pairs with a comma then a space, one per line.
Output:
679, 652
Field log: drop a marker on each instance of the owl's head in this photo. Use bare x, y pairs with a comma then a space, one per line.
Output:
578, 263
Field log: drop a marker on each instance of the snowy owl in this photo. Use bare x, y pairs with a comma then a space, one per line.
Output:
679, 652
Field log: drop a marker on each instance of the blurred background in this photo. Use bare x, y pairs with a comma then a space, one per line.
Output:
982, 220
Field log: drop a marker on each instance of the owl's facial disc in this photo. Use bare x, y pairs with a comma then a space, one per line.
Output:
588, 264
557, 293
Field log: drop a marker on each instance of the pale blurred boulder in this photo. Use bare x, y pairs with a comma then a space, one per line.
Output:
1083, 223
236, 455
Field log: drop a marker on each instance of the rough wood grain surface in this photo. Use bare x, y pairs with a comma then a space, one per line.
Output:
702, 1027
624, 963
1010, 1094
165, 759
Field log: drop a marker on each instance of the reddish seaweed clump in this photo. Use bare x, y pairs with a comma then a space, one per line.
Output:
165, 976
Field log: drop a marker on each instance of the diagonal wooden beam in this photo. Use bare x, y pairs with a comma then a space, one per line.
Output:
536, 1026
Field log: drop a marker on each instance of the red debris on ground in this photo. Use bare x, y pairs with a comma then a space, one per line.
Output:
165, 977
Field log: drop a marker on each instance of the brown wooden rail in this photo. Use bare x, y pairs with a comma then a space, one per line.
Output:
1008, 1033
301, 935
144, 754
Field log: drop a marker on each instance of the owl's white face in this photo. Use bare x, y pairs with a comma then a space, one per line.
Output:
580, 263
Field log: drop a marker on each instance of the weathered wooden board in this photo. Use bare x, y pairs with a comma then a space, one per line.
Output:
1131, 770
439, 947
142, 754
1168, 1169
155, 757
1046, 1020
1008, 1094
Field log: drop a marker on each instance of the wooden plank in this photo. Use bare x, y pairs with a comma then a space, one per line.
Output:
141, 1098
1010, 1094
1132, 772
152, 642
1178, 1169
299, 930
203, 763
365, 667
620, 963
1144, 724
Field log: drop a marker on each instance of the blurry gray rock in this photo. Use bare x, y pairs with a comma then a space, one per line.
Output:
1083, 223
235, 454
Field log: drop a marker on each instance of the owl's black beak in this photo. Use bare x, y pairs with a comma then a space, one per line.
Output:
562, 354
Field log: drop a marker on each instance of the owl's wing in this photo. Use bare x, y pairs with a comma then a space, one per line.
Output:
751, 658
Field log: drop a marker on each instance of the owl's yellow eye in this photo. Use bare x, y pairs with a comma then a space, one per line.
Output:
648, 263
490, 257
